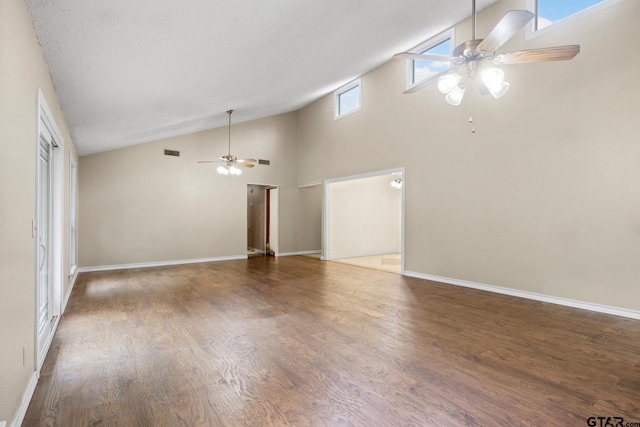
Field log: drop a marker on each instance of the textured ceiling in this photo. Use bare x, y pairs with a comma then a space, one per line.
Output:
128, 72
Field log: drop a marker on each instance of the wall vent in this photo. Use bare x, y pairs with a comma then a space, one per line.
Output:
171, 153
263, 162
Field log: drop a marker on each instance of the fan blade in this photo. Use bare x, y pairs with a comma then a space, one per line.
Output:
209, 161
424, 57
247, 161
556, 53
245, 165
510, 23
426, 81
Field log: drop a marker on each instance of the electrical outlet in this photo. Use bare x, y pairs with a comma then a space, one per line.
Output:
3, 424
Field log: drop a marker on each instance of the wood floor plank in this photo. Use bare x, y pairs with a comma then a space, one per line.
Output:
299, 342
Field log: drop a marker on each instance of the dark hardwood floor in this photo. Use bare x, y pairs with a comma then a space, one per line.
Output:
296, 341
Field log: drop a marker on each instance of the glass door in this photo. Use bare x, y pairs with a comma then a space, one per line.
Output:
45, 285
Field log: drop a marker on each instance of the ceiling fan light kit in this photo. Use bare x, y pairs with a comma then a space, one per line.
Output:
228, 170
230, 162
476, 59
491, 81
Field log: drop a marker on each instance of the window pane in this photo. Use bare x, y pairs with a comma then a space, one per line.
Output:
425, 69
349, 100
550, 11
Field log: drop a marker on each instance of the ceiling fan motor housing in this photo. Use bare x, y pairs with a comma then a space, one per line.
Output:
468, 50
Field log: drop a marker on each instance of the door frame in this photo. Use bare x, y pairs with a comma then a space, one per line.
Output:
271, 217
326, 210
272, 225
45, 119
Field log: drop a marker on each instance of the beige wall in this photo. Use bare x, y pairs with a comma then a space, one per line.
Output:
22, 71
365, 217
543, 197
309, 221
138, 205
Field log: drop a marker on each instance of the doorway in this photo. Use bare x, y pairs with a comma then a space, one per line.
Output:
48, 228
262, 219
363, 220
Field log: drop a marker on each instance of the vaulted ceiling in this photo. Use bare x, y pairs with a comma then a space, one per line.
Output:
128, 72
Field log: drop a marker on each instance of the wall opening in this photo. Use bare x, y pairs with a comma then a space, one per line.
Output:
262, 220
363, 220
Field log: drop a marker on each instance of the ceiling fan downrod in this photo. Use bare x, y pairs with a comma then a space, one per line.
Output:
229, 113
473, 19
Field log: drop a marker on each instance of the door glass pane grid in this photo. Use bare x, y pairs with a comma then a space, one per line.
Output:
44, 221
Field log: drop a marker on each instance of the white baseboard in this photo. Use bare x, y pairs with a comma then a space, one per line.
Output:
159, 263
298, 253
26, 399
616, 311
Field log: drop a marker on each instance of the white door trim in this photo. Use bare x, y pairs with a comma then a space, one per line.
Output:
274, 221
47, 125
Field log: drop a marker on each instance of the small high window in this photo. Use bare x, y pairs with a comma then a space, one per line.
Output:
549, 12
420, 70
347, 99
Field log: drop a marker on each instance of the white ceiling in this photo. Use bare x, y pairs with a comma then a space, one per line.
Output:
128, 72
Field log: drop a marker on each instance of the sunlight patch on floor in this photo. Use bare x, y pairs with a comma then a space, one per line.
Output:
386, 262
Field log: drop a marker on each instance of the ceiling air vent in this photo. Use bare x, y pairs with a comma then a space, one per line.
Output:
263, 162
171, 153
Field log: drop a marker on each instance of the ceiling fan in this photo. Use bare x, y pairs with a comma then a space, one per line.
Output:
230, 162
475, 58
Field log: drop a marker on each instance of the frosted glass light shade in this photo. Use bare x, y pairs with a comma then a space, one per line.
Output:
493, 78
454, 97
498, 90
229, 170
447, 82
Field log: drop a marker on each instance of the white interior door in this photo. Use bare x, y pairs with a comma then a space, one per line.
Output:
44, 293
